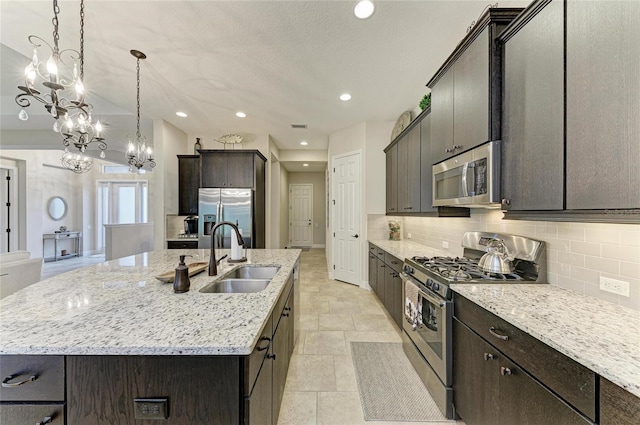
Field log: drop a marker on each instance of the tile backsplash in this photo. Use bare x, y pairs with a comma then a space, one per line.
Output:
578, 254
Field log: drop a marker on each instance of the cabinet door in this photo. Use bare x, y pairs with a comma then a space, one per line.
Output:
214, 170
392, 179
617, 406
258, 404
382, 270
533, 108
402, 183
442, 117
426, 162
188, 184
603, 106
240, 170
393, 296
524, 401
475, 377
412, 143
48, 384
373, 272
21, 414
471, 95
280, 363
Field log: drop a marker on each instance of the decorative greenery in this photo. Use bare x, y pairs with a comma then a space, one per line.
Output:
425, 102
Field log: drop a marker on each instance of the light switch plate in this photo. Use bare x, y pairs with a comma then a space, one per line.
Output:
445, 244
619, 287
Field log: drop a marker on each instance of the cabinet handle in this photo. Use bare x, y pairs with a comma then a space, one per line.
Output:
457, 147
264, 338
285, 314
492, 331
7, 384
287, 309
46, 420
447, 150
505, 371
488, 356
271, 356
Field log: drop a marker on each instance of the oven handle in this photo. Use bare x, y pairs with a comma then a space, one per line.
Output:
430, 297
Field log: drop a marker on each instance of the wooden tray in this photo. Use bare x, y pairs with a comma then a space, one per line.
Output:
194, 268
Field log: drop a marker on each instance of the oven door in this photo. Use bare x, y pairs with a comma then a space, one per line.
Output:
430, 330
471, 178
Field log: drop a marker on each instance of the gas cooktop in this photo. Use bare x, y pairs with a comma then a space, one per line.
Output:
461, 269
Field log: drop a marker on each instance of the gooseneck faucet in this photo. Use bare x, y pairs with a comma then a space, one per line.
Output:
213, 264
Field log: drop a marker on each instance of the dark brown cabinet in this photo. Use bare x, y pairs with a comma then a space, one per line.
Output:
502, 375
392, 179
533, 111
258, 404
408, 171
617, 406
373, 269
385, 281
21, 414
426, 165
281, 353
466, 92
188, 184
240, 169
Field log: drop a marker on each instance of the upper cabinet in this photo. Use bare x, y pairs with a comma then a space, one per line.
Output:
409, 171
239, 168
571, 120
603, 105
466, 91
392, 179
188, 184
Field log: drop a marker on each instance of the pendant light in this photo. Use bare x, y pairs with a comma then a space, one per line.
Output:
138, 153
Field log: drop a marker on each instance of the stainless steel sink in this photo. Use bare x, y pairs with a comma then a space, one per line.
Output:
258, 272
234, 286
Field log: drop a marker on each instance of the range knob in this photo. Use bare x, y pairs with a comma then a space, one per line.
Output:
429, 283
435, 286
408, 269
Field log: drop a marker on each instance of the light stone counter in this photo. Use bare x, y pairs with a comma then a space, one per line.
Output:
119, 308
599, 335
407, 249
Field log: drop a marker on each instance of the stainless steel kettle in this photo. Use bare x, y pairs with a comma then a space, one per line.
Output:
497, 258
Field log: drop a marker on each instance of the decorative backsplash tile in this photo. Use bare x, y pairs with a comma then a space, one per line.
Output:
578, 254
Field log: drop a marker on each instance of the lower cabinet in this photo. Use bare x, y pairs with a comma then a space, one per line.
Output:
258, 405
617, 406
393, 294
193, 244
385, 281
281, 350
21, 414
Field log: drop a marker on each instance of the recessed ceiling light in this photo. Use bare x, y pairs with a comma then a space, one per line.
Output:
241, 115
305, 165
364, 9
344, 97
303, 143
181, 114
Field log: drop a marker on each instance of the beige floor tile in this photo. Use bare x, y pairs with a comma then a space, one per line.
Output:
311, 373
309, 321
372, 336
339, 408
298, 408
372, 322
325, 342
314, 307
345, 373
344, 307
298, 348
335, 322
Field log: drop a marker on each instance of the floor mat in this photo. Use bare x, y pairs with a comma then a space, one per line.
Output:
389, 387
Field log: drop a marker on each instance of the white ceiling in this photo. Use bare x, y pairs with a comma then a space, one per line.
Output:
281, 62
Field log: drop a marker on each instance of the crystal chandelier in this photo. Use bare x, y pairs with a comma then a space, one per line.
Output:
77, 162
138, 153
56, 74
78, 129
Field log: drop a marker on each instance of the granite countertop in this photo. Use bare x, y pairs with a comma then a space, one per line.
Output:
119, 308
601, 336
407, 249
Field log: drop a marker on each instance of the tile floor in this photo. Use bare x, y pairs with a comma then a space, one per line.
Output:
321, 386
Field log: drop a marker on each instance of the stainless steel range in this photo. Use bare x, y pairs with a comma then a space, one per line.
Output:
427, 339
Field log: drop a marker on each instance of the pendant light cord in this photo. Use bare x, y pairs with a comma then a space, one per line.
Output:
82, 41
138, 88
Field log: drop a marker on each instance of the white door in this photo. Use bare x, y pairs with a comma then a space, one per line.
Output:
346, 218
300, 213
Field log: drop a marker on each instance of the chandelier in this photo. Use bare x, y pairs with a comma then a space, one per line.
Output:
57, 76
76, 162
78, 129
138, 153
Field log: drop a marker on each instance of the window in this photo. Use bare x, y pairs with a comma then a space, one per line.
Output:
121, 202
117, 169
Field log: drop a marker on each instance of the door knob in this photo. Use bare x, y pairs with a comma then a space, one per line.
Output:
355, 236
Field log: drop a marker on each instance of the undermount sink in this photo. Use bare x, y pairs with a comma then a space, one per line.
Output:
249, 272
233, 286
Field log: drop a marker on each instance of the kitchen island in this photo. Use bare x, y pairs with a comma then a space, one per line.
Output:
111, 334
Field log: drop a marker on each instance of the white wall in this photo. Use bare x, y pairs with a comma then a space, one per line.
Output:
378, 136
577, 253
319, 211
284, 208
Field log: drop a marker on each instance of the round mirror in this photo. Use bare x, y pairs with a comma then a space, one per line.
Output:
57, 208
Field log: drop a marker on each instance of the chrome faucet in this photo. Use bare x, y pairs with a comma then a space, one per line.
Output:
213, 264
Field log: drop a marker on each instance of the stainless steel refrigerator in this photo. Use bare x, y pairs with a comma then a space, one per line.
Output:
234, 205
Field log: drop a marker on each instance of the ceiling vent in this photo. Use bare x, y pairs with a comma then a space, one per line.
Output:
298, 126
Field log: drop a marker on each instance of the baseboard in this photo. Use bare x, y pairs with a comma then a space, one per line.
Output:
365, 285
318, 245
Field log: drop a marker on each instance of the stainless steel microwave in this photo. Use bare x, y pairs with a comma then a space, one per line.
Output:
471, 179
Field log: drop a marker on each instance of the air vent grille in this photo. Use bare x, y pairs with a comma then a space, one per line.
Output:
298, 126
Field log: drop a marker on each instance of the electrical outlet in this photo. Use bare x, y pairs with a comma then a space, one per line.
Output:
445, 244
151, 408
619, 287
408, 235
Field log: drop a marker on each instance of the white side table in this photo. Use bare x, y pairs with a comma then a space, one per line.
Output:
77, 240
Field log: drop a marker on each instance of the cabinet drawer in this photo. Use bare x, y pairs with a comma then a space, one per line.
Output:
253, 361
394, 262
566, 377
47, 386
21, 414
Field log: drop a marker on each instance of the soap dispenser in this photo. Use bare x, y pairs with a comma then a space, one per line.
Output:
181, 282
